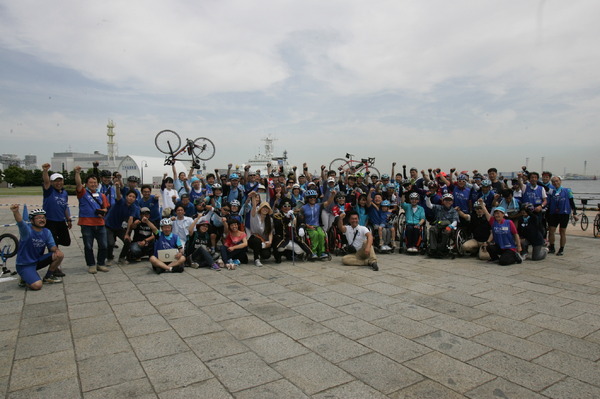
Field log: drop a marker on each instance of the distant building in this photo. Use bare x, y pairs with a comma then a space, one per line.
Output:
31, 162
68, 160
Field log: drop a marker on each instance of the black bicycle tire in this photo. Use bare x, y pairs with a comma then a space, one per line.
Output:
163, 139
204, 155
371, 169
337, 163
597, 226
14, 239
584, 223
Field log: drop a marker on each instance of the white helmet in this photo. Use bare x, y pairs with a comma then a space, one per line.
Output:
166, 222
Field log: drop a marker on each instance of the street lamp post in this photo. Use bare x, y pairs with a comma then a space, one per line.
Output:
144, 165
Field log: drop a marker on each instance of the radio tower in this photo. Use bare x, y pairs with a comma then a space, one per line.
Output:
112, 146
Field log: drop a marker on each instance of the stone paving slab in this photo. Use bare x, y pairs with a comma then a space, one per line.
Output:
418, 328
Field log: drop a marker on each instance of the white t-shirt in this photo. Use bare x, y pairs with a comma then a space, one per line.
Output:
167, 199
181, 226
361, 236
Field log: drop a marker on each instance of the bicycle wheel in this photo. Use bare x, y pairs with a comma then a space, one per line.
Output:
9, 244
461, 238
167, 141
338, 163
597, 226
373, 171
204, 149
584, 222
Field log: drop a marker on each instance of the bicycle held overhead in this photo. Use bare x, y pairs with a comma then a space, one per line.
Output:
199, 149
363, 165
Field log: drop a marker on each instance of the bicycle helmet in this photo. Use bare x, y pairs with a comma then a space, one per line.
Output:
385, 176
133, 179
36, 212
296, 186
360, 174
166, 222
385, 203
310, 193
414, 196
235, 203
234, 176
462, 176
431, 184
486, 183
406, 182
217, 186
105, 173
340, 195
477, 176
447, 196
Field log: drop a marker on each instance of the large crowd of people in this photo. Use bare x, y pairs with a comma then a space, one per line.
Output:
221, 220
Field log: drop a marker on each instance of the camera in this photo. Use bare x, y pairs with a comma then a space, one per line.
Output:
100, 212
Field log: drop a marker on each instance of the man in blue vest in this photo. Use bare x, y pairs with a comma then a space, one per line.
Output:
560, 206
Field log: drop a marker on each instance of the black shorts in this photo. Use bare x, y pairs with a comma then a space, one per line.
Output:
556, 220
60, 232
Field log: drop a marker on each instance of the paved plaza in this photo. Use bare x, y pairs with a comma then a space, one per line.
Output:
418, 328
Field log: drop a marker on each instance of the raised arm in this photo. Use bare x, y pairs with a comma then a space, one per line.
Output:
78, 184
45, 177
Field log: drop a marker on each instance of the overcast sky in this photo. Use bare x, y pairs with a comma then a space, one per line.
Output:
469, 84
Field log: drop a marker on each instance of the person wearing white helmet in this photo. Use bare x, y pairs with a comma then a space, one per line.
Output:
445, 221
34, 240
164, 239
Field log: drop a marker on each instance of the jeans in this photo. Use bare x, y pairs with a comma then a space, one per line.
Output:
91, 233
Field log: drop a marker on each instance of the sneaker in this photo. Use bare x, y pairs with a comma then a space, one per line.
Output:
236, 262
109, 262
177, 269
59, 273
560, 252
103, 268
258, 263
123, 261
195, 265
158, 270
216, 267
374, 266
551, 249
324, 255
22, 283
51, 279
314, 257
92, 270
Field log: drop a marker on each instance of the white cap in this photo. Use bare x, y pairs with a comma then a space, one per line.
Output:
55, 176
331, 180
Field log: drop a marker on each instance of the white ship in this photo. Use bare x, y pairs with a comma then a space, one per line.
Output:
260, 160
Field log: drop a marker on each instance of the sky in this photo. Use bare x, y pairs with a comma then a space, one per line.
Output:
469, 84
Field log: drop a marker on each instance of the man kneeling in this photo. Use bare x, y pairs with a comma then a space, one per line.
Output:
35, 238
168, 250
360, 241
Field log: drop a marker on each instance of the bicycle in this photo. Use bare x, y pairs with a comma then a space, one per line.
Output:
364, 165
597, 223
9, 244
200, 149
584, 219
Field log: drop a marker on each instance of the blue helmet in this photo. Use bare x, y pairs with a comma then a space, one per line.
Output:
385, 203
310, 193
234, 176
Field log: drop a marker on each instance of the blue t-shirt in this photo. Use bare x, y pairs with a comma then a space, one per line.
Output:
55, 204
118, 214
152, 204
32, 244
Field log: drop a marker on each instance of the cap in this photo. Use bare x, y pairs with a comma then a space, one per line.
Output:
144, 210
185, 196
56, 176
501, 209
331, 180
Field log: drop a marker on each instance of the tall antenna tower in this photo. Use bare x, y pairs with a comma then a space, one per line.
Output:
112, 146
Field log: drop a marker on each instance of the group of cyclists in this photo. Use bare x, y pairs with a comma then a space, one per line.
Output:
218, 220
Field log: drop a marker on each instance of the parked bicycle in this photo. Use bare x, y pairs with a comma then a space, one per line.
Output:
584, 219
597, 223
364, 165
9, 244
200, 149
